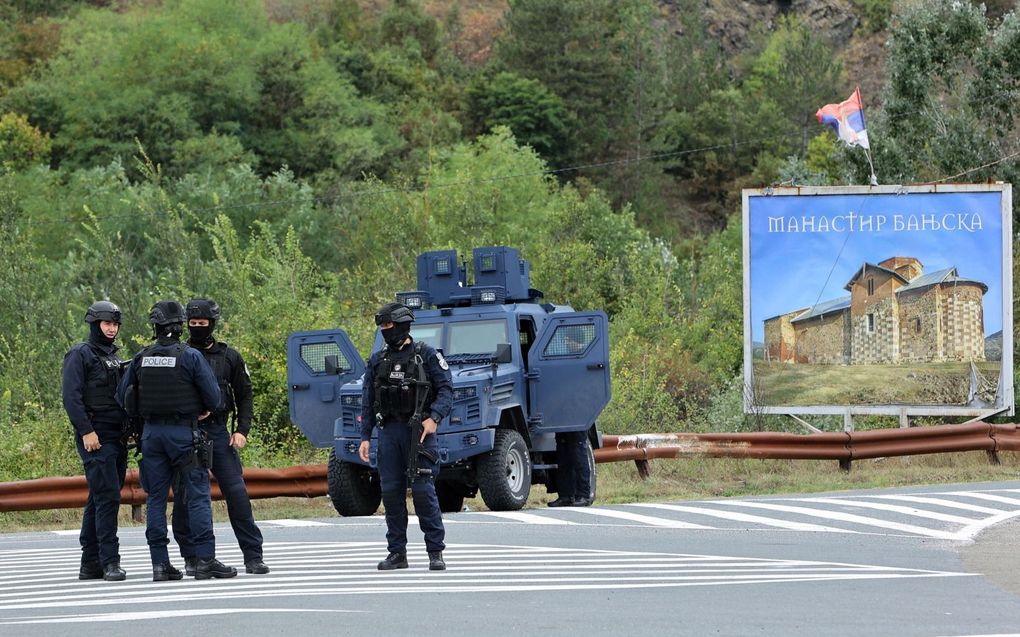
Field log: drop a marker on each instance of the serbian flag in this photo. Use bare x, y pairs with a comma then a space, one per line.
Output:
847, 119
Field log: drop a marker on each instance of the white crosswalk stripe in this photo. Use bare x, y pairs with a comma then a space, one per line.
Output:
743, 517
947, 515
309, 569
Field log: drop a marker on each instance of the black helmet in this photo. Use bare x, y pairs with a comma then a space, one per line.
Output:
394, 313
166, 313
103, 311
203, 309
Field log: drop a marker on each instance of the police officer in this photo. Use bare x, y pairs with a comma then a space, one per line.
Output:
393, 379
90, 376
172, 388
235, 388
573, 473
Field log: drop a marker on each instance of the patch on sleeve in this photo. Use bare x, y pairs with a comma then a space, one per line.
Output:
442, 361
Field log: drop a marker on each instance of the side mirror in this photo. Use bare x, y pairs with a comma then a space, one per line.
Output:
331, 365
502, 354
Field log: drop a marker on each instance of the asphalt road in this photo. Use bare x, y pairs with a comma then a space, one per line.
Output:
929, 562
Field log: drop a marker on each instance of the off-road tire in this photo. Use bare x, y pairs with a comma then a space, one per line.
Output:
353, 488
504, 474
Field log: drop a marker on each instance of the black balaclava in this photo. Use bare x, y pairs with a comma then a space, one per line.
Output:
201, 337
96, 334
396, 335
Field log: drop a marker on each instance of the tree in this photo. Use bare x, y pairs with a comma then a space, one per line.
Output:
222, 69
536, 116
21, 144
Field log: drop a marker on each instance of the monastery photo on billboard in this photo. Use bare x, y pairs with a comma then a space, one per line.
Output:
894, 313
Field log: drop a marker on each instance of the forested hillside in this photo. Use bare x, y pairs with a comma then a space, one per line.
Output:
290, 159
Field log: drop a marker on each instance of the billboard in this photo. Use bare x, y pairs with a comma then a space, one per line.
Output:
886, 299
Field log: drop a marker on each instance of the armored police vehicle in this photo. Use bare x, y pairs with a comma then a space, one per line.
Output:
522, 370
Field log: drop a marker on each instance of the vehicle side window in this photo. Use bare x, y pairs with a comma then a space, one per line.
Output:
314, 355
570, 340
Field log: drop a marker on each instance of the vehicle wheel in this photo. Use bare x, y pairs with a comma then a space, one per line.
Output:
353, 488
451, 496
504, 474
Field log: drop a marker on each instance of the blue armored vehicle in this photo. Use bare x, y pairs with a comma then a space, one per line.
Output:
522, 370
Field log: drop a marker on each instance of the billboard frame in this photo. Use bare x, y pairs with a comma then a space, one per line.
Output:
1005, 388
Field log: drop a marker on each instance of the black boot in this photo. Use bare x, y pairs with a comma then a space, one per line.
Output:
165, 571
206, 569
255, 566
563, 501
436, 562
90, 570
112, 572
583, 502
393, 561
190, 564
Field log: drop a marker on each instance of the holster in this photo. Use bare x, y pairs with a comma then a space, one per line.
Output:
202, 448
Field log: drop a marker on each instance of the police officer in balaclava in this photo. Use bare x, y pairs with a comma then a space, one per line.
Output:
235, 410
402, 378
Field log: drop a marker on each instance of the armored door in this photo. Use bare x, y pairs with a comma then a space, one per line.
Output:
568, 372
318, 363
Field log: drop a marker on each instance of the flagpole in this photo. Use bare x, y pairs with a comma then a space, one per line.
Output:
867, 153
874, 179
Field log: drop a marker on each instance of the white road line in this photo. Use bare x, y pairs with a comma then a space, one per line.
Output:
847, 517
294, 523
950, 504
164, 614
529, 518
474, 568
637, 517
970, 532
433, 585
986, 496
922, 513
746, 517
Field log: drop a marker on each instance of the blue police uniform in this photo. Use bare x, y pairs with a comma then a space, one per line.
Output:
394, 445
235, 387
91, 372
167, 439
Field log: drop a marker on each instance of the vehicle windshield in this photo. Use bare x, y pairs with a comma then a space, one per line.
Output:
430, 334
476, 337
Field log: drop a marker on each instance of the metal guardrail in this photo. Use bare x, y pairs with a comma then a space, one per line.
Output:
72, 492
310, 480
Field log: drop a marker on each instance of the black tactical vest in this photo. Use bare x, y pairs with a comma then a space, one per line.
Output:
221, 369
163, 389
398, 376
100, 391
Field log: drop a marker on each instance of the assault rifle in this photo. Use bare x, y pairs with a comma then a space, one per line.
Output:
416, 449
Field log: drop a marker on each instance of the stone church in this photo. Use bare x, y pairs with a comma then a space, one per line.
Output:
894, 314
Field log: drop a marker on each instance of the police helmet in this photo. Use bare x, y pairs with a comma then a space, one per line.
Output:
103, 311
166, 313
203, 309
394, 313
